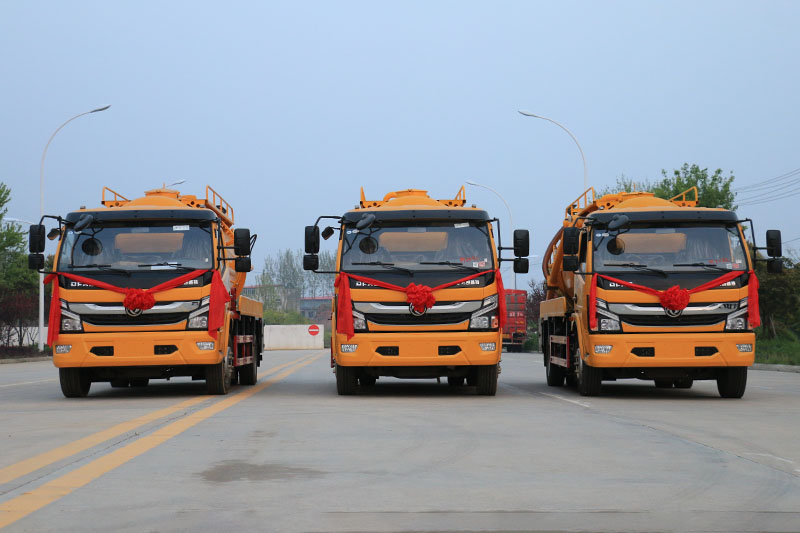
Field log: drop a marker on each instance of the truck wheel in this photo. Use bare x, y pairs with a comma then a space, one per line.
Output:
139, 382
663, 383
732, 382
367, 381
472, 377
555, 374
572, 379
487, 380
75, 382
218, 377
248, 374
589, 379
455, 381
346, 380
684, 383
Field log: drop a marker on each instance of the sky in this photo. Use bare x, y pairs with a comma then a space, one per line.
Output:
288, 108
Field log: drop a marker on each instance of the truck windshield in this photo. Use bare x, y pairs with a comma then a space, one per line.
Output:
138, 246
677, 248
418, 246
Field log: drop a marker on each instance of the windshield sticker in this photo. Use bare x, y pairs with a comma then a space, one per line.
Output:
601, 234
479, 264
180, 228
415, 229
140, 230
352, 231
462, 225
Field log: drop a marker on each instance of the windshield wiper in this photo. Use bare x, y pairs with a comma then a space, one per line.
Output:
450, 263
706, 265
386, 265
108, 268
638, 266
167, 264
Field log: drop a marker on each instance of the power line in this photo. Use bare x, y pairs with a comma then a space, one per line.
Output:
772, 189
771, 198
792, 240
767, 182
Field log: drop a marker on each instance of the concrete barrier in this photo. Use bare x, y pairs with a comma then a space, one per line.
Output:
300, 337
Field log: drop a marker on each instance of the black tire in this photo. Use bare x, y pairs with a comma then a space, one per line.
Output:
140, 382
75, 382
367, 381
572, 379
120, 383
684, 383
555, 374
732, 382
487, 380
454, 381
472, 377
663, 383
589, 379
346, 380
218, 377
248, 374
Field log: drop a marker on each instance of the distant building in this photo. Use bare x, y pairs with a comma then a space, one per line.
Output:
317, 308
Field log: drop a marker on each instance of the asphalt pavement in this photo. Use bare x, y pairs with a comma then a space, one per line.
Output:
288, 454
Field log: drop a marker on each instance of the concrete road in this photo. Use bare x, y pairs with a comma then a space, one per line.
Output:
291, 455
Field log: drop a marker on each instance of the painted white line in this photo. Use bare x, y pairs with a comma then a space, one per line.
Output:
557, 397
771, 457
26, 383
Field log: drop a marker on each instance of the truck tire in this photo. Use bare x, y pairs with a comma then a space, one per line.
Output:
218, 377
663, 383
367, 381
472, 377
248, 374
140, 382
589, 379
75, 382
487, 380
732, 382
684, 383
346, 380
555, 374
572, 379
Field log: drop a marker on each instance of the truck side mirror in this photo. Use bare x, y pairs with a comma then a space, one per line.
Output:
570, 263
521, 265
242, 264
522, 243
310, 262
36, 239
84, 222
774, 266
36, 261
618, 222
571, 238
312, 239
241, 242
774, 243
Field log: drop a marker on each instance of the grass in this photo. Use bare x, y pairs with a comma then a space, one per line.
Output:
782, 350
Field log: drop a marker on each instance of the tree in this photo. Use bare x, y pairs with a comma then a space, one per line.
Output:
537, 293
779, 299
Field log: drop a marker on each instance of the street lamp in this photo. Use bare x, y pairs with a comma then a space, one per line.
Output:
510, 217
41, 212
585, 175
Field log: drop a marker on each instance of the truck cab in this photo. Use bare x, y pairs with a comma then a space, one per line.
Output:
417, 289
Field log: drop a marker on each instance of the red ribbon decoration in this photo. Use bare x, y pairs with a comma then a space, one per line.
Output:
420, 296
142, 298
677, 299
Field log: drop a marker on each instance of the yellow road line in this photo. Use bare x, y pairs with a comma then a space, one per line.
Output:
25, 504
26, 466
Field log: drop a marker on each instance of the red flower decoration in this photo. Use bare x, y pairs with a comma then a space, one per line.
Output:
138, 299
420, 296
675, 298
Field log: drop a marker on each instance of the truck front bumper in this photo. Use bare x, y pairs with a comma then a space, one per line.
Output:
419, 349
671, 350
157, 348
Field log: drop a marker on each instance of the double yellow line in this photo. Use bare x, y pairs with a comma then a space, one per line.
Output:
25, 504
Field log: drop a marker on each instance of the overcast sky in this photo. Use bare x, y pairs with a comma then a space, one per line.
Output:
288, 108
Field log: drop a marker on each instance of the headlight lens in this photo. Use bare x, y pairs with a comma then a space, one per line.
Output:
70, 322
483, 318
737, 321
607, 321
359, 321
198, 322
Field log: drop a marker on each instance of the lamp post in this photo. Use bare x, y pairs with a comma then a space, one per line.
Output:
41, 212
585, 175
510, 217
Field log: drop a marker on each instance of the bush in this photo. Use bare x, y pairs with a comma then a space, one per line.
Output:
279, 318
782, 350
18, 352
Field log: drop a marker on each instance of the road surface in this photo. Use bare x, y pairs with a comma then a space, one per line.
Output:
290, 455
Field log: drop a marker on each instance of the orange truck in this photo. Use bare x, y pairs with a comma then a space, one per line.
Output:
515, 329
144, 289
654, 289
416, 290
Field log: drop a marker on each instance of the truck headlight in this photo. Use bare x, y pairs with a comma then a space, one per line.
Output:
607, 321
70, 322
198, 319
737, 321
484, 318
359, 322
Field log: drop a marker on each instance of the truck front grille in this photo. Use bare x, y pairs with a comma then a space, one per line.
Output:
121, 319
665, 321
407, 319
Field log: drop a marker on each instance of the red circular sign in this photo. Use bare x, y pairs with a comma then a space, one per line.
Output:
313, 329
